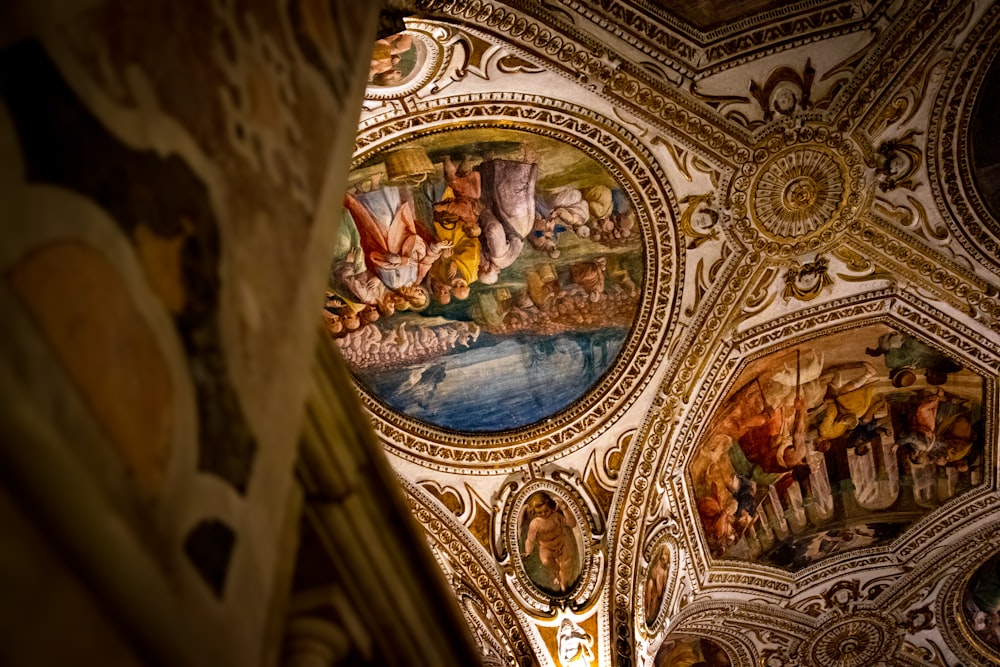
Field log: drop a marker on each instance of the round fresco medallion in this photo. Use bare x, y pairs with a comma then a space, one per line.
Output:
402, 63
985, 141
484, 279
981, 604
839, 422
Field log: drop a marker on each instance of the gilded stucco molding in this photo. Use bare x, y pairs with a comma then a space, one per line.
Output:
917, 30
636, 170
599, 68
474, 567
910, 260
693, 53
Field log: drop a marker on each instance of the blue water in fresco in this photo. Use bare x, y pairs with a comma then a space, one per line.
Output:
500, 383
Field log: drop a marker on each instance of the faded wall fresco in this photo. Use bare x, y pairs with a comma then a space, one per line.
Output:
484, 279
835, 445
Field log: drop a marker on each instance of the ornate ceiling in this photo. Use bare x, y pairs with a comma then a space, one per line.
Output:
693, 347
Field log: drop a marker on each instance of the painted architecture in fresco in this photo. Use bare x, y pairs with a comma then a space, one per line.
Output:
836, 445
550, 543
484, 279
691, 652
981, 602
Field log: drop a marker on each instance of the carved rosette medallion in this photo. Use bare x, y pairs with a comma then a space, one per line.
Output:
854, 641
798, 192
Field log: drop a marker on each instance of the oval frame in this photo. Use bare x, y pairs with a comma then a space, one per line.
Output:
962, 639
669, 547
579, 593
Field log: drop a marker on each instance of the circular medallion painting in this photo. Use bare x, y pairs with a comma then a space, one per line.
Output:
402, 63
981, 602
483, 279
984, 141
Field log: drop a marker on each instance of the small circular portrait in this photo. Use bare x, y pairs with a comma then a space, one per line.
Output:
401, 63
551, 544
656, 583
691, 652
981, 602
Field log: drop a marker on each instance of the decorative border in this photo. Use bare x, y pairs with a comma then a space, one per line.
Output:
642, 179
790, 331
957, 633
467, 556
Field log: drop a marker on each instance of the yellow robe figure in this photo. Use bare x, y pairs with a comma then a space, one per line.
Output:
465, 254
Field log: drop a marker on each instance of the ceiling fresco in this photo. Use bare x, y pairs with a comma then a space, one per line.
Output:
681, 327
804, 459
485, 279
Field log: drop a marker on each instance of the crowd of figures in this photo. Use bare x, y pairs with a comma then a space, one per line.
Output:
804, 457
407, 248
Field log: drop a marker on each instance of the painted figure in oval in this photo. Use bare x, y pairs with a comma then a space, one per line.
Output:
550, 540
656, 583
393, 59
691, 652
